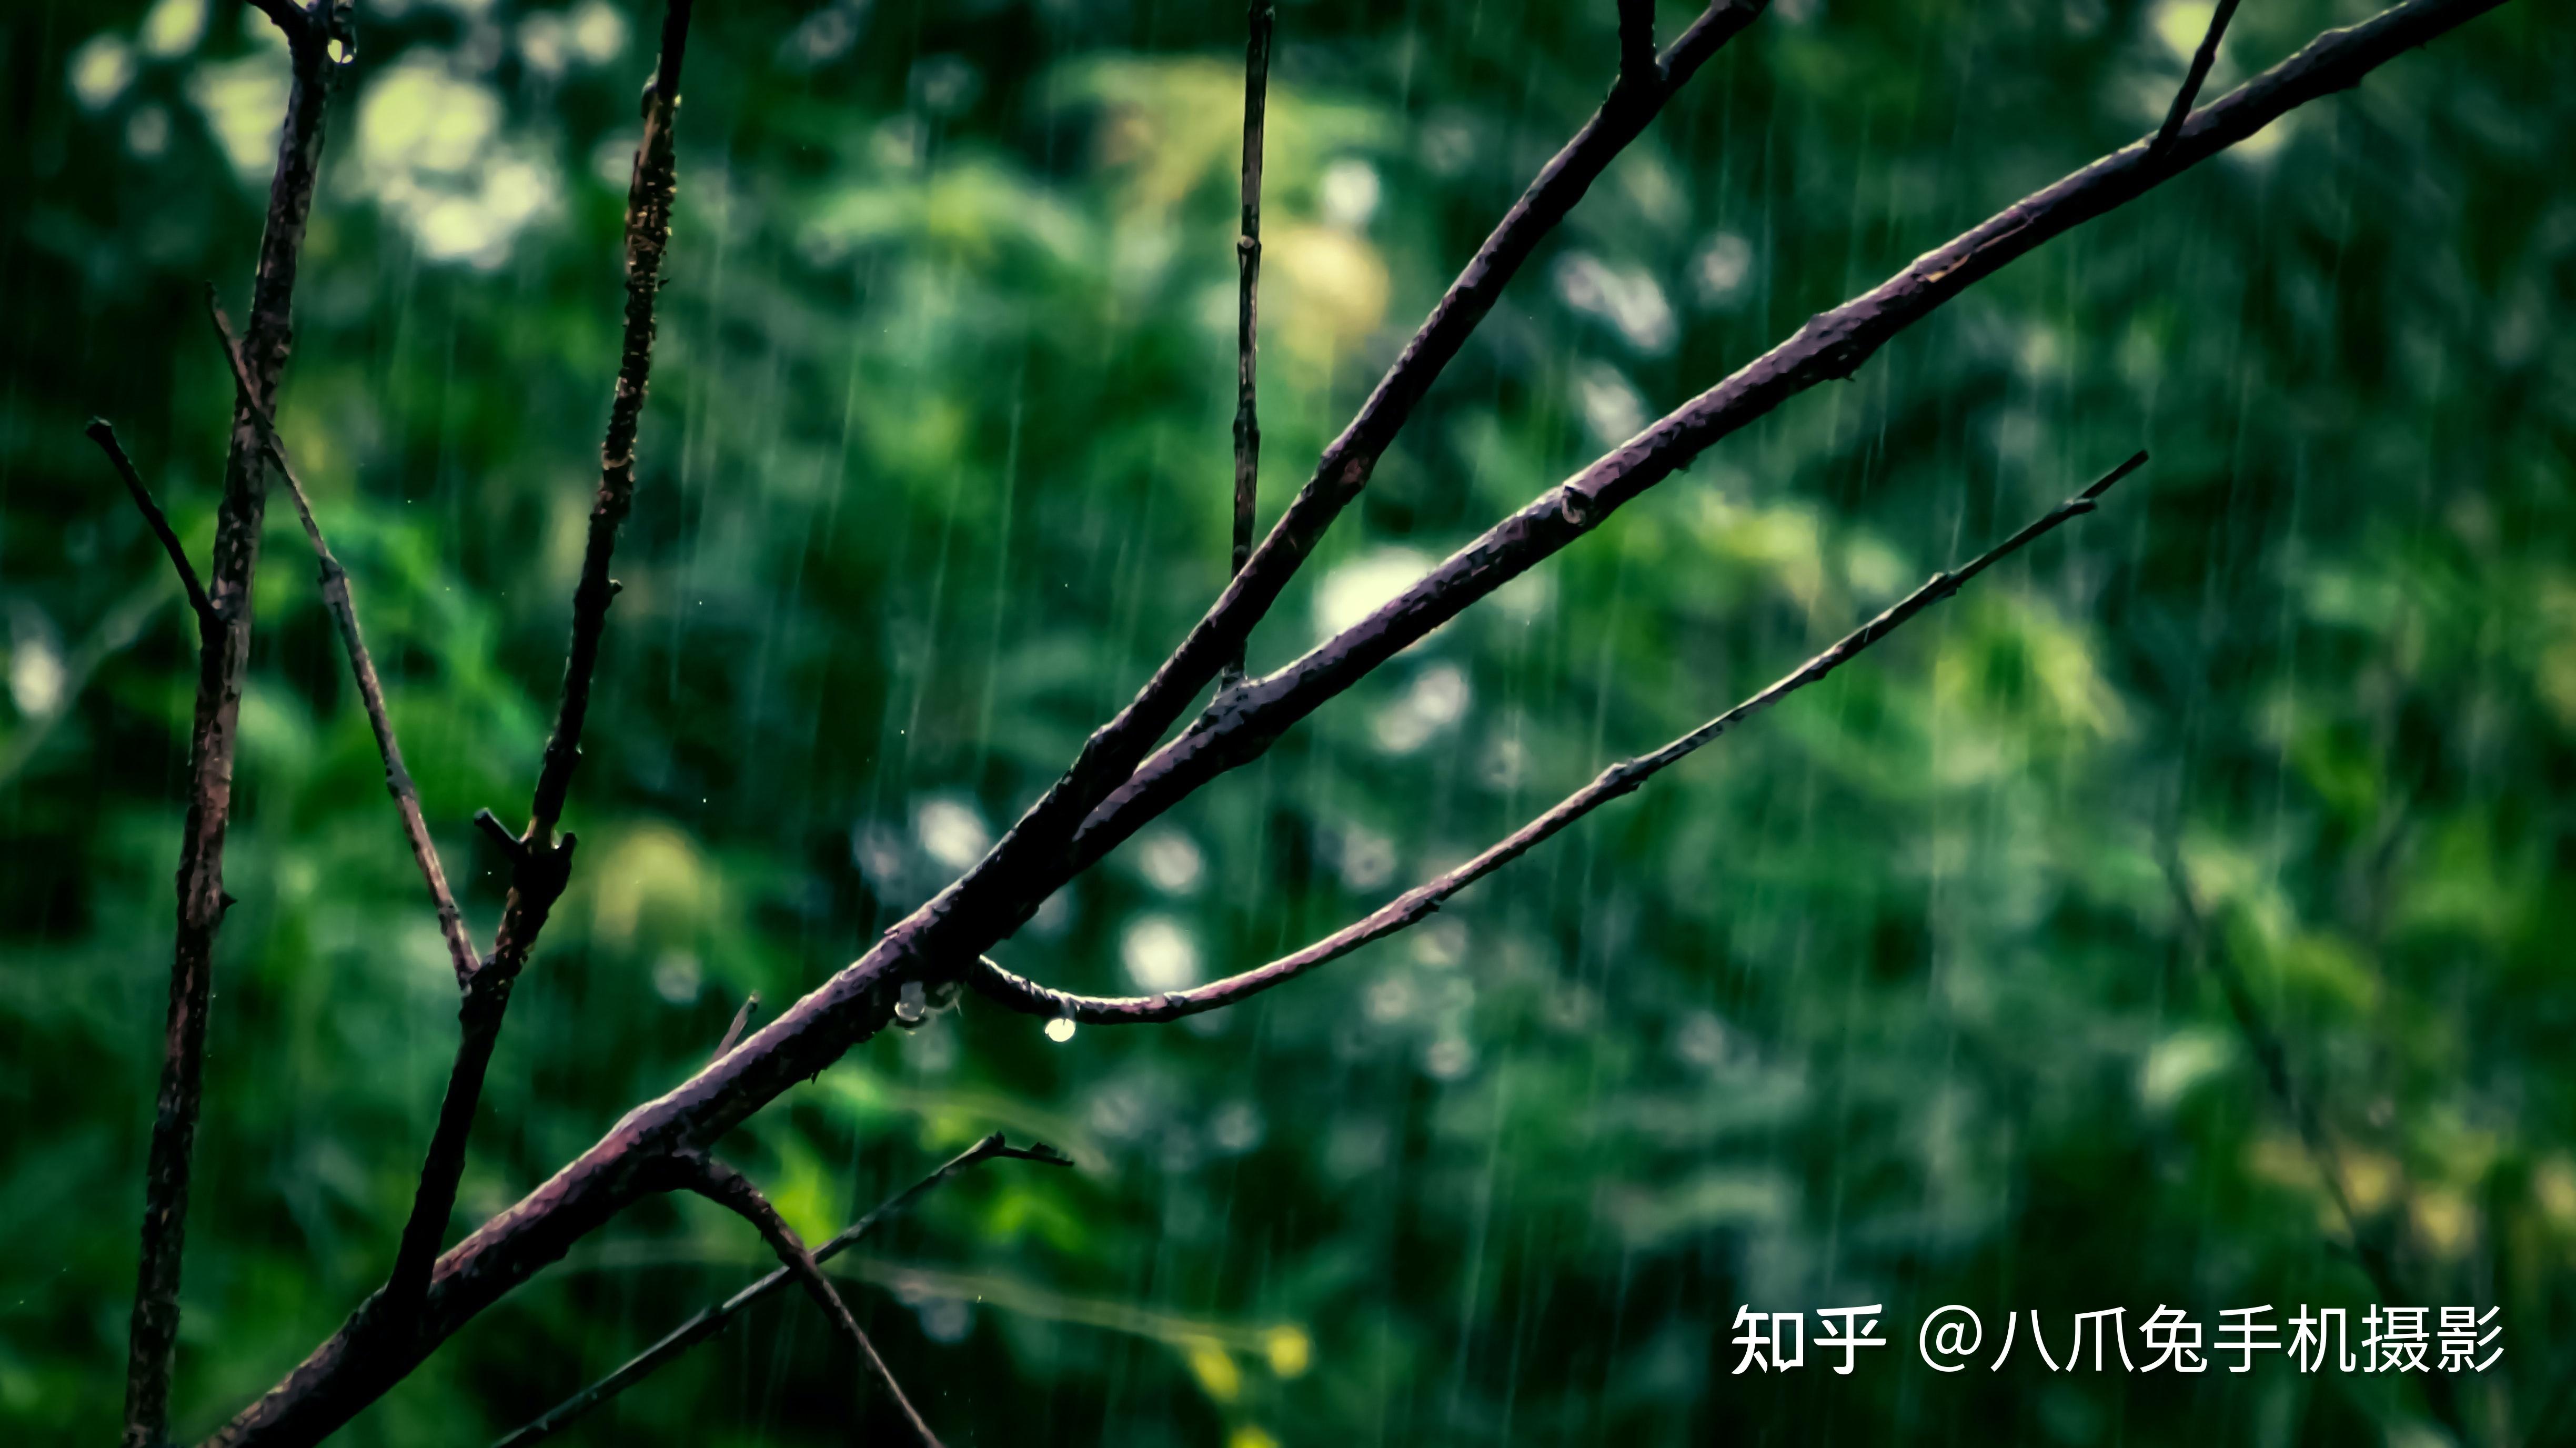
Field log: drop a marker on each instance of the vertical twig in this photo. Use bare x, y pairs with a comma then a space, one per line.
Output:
730, 1189
222, 659
2201, 60
1636, 43
1259, 16
709, 1321
540, 863
362, 666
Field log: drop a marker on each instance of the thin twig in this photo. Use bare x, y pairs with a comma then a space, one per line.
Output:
542, 864
711, 1320
357, 1364
741, 1021
104, 434
223, 657
2201, 60
362, 666
732, 1190
1239, 726
1417, 904
1004, 886
2368, 1248
1247, 251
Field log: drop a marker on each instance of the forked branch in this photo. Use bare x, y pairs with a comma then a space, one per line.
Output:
1417, 904
223, 657
732, 1190
541, 864
2201, 60
100, 432
362, 665
712, 1320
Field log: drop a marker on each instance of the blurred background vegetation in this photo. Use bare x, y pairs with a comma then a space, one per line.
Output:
1888, 998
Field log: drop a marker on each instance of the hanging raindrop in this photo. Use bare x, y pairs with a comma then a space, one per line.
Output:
1060, 1029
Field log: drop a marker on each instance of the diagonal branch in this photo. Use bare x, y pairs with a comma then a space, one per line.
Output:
102, 433
357, 1364
1417, 904
1831, 346
541, 865
1247, 252
223, 657
732, 1190
712, 1320
362, 665
1007, 879
2201, 60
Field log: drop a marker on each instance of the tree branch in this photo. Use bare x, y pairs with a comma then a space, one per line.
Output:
540, 864
2200, 62
732, 1190
102, 433
1636, 42
362, 665
223, 656
1007, 881
1417, 904
1247, 252
355, 1366
711, 1320
1242, 724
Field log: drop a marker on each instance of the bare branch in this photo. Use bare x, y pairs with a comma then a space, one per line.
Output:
223, 656
540, 863
712, 1320
1239, 726
1636, 42
1247, 251
741, 1021
360, 1362
362, 665
2201, 60
1007, 880
1417, 904
104, 435
728, 1188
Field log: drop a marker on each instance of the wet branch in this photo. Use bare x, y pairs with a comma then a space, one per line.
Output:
1010, 881
362, 665
712, 1320
104, 434
2201, 60
733, 1191
541, 864
1247, 252
223, 656
1242, 724
1419, 903
943, 938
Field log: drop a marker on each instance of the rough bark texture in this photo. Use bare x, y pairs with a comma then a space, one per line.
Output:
941, 941
222, 659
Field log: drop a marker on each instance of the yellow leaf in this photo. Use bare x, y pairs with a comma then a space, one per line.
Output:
1215, 1371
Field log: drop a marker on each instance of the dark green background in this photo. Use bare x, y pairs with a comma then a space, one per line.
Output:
1884, 999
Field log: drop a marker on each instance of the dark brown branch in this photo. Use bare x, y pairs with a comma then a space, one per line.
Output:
1417, 904
1636, 42
357, 1364
1239, 726
741, 1021
223, 656
2201, 60
732, 1190
1247, 252
542, 864
362, 665
712, 1320
104, 435
1005, 884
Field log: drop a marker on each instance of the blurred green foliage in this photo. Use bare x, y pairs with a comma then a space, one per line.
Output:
1885, 999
